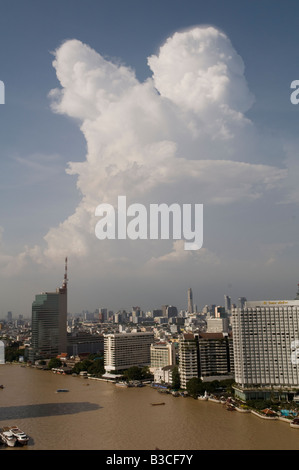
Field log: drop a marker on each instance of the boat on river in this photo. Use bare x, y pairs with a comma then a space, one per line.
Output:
7, 437
59, 390
157, 404
21, 437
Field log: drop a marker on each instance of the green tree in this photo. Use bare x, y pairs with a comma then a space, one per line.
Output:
176, 383
195, 387
54, 363
134, 373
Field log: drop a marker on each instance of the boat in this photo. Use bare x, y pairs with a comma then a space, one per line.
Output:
157, 404
122, 384
61, 390
8, 438
295, 423
230, 407
204, 397
21, 437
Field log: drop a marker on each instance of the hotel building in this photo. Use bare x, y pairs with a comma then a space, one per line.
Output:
266, 347
162, 354
124, 350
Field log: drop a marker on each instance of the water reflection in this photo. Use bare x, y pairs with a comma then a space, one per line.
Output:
45, 409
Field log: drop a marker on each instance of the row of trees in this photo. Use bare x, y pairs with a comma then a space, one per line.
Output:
196, 386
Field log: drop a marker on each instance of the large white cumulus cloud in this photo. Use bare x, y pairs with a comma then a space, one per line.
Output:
180, 136
199, 68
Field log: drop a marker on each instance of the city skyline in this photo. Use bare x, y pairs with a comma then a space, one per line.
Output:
161, 103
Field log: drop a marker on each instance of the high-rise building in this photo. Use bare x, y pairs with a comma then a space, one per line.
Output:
227, 304
124, 350
171, 311
190, 301
2, 352
266, 345
49, 323
162, 354
215, 356
188, 358
242, 301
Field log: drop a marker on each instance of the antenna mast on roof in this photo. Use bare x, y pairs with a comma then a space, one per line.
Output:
64, 285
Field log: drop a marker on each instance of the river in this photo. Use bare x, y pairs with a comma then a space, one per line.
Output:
96, 415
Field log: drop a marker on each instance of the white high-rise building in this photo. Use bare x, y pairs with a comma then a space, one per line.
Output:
124, 350
2, 353
162, 354
188, 358
266, 344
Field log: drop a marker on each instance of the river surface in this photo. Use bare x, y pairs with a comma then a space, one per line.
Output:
96, 415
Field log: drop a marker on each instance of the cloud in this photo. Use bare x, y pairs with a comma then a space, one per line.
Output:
180, 136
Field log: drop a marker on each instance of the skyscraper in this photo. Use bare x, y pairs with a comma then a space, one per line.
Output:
227, 303
190, 301
188, 358
266, 345
49, 323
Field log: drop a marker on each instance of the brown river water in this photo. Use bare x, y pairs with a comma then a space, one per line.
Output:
96, 415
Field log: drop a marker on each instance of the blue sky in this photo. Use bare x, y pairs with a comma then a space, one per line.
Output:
36, 145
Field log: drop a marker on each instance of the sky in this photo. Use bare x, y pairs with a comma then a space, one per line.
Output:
167, 101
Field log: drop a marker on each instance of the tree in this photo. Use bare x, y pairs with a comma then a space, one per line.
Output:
195, 387
54, 363
176, 383
134, 373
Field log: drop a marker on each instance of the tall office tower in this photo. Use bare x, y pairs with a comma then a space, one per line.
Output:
124, 350
220, 312
49, 323
190, 301
242, 301
227, 303
266, 345
162, 354
171, 311
188, 358
164, 310
9, 317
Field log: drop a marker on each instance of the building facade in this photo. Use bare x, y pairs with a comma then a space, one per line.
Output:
266, 344
215, 356
188, 358
124, 350
49, 324
162, 354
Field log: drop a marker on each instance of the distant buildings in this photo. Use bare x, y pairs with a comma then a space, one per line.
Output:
266, 347
49, 323
190, 301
